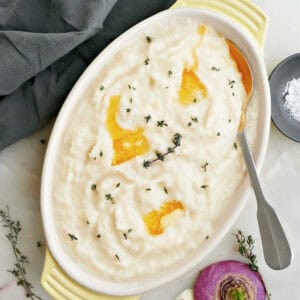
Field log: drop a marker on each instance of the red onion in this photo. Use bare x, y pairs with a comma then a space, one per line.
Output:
229, 280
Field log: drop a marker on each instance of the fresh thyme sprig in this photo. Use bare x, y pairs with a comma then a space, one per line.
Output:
161, 156
18, 271
246, 247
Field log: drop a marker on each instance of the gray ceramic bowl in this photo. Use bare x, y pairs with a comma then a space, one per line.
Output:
285, 71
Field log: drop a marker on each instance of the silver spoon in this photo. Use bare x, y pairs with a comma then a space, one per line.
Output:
276, 248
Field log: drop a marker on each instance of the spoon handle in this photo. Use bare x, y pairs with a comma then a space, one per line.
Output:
276, 248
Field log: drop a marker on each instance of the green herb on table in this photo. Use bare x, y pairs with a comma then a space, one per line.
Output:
147, 118
235, 145
204, 166
246, 247
73, 237
204, 186
93, 187
215, 69
131, 87
14, 228
118, 184
146, 61
170, 73
161, 156
43, 141
110, 198
101, 87
231, 83
165, 190
148, 39
161, 123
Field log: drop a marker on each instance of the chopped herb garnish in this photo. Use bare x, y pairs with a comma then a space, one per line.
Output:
98, 236
194, 119
166, 190
125, 235
231, 83
195, 100
170, 73
147, 118
38, 244
130, 100
218, 134
87, 222
207, 237
131, 87
72, 237
232, 94
146, 61
161, 123
204, 186
229, 121
147, 189
189, 124
166, 87
235, 145
93, 187
216, 69
43, 141
204, 167
110, 197
161, 156
129, 230
101, 87
117, 257
101, 153
128, 110
118, 184
95, 158
148, 39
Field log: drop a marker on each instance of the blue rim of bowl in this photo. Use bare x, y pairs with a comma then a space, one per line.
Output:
270, 76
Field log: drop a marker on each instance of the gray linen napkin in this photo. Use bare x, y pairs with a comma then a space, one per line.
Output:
44, 47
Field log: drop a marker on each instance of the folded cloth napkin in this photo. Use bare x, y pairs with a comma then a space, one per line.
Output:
45, 45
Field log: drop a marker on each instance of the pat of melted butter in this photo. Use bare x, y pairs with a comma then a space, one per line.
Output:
127, 144
192, 88
156, 220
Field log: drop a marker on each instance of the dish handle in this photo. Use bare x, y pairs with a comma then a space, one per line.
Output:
243, 12
61, 287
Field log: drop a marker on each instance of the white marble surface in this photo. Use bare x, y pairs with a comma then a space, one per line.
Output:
20, 170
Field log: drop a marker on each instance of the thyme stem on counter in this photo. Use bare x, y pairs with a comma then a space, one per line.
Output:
246, 247
14, 228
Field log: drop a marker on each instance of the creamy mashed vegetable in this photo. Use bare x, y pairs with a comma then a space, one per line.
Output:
149, 159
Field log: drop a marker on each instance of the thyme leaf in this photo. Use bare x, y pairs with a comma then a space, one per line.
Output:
161, 156
161, 123
204, 166
14, 228
73, 237
245, 248
148, 39
147, 118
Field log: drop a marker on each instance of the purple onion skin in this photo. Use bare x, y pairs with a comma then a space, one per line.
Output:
207, 282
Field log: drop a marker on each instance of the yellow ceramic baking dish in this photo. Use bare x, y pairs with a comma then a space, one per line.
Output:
253, 23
